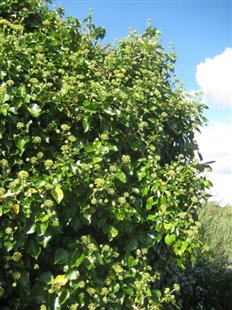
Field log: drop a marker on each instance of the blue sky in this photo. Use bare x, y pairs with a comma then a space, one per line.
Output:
201, 33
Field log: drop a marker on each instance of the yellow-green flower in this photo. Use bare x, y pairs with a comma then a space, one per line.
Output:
36, 140
4, 162
65, 127
99, 182
17, 256
121, 200
48, 203
8, 230
126, 159
23, 175
19, 125
16, 275
48, 163
81, 284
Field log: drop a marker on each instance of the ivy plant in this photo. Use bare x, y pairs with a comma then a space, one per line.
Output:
99, 185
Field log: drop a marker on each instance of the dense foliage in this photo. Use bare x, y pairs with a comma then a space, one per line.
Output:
99, 186
207, 284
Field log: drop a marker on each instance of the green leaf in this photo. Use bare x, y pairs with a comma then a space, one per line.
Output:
61, 256
113, 232
162, 201
21, 142
45, 239
152, 217
31, 230
5, 98
77, 260
73, 275
34, 110
90, 107
116, 288
132, 261
22, 90
57, 194
37, 294
85, 124
64, 296
45, 277
121, 176
109, 111
40, 183
168, 226
132, 244
60, 280
33, 248
169, 239
149, 203
4, 109
97, 159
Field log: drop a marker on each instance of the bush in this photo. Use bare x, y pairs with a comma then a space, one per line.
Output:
99, 186
206, 285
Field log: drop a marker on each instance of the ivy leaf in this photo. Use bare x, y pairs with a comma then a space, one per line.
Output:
60, 280
33, 248
61, 256
85, 124
121, 176
169, 239
149, 203
37, 294
57, 194
45, 277
31, 229
34, 110
21, 142
90, 107
132, 244
4, 109
132, 261
113, 232
77, 261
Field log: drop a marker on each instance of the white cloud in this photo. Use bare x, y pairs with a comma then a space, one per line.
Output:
214, 76
215, 144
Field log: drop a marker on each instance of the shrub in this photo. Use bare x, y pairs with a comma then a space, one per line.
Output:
99, 186
206, 285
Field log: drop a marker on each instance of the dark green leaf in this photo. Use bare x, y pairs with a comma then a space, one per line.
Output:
61, 256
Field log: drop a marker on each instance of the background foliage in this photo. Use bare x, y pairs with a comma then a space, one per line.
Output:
208, 283
216, 231
99, 186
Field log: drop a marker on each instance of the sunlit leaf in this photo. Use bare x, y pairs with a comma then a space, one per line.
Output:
85, 124
34, 110
60, 280
149, 203
58, 194
169, 239
121, 176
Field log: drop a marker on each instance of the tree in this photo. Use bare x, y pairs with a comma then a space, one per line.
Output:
99, 185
